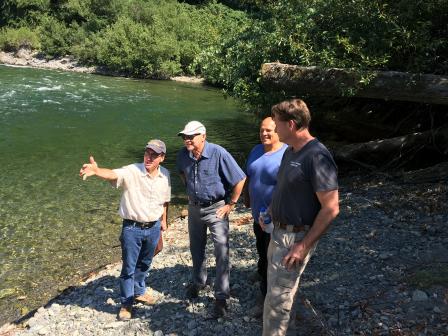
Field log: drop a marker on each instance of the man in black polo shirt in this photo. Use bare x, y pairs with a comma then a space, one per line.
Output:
304, 203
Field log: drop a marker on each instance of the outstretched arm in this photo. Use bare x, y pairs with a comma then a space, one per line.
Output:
90, 169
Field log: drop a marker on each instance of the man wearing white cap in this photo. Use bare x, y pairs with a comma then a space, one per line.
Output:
214, 183
143, 207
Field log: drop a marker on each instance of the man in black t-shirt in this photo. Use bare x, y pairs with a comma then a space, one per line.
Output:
304, 203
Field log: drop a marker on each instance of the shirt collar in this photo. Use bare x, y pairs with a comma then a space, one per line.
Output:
145, 173
207, 152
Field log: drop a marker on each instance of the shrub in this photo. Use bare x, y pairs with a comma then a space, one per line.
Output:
368, 35
12, 39
56, 37
136, 49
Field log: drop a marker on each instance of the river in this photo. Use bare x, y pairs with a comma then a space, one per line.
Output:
54, 227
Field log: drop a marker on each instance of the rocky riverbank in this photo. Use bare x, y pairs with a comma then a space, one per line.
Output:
28, 58
382, 269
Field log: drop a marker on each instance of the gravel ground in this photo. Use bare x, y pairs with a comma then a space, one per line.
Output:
382, 269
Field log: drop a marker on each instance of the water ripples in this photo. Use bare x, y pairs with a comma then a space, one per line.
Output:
52, 88
53, 226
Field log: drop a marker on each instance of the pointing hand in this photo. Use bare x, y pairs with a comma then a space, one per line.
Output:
88, 169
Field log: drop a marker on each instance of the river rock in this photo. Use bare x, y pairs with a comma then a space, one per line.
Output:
355, 284
419, 295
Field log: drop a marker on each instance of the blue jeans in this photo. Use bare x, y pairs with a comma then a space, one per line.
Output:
137, 250
199, 219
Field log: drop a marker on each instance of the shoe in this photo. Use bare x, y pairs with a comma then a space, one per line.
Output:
125, 313
193, 291
220, 308
146, 299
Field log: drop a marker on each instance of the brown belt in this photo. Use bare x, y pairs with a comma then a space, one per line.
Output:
291, 228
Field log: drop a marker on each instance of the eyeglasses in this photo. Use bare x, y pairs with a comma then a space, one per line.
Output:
189, 137
152, 155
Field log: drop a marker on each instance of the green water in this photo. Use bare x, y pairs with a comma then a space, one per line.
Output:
54, 227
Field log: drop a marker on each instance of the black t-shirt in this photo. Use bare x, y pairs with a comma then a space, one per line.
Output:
300, 176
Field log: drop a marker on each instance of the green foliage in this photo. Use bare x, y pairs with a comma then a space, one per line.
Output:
12, 12
103, 13
12, 39
57, 39
406, 35
134, 48
71, 10
161, 38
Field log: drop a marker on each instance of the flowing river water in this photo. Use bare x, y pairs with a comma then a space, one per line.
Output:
54, 227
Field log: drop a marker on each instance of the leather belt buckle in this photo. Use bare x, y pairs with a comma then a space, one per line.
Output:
291, 228
141, 225
146, 225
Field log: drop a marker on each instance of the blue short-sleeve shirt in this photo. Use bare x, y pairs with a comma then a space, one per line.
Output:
262, 169
212, 176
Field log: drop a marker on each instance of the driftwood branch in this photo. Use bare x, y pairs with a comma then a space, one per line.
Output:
389, 151
388, 85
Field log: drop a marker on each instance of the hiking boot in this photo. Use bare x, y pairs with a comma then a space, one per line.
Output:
193, 291
220, 308
146, 299
125, 313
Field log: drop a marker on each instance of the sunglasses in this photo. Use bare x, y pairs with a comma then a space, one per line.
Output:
152, 155
189, 137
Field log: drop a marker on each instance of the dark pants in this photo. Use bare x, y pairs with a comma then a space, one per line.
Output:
262, 243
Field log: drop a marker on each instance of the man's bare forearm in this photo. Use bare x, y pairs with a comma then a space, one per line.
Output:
164, 220
236, 191
106, 174
329, 210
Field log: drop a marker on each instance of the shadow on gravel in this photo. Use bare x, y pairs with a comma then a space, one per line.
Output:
173, 312
103, 294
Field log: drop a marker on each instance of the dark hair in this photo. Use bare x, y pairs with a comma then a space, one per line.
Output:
293, 109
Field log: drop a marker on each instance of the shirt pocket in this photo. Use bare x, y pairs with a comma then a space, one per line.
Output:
284, 278
209, 177
283, 282
296, 174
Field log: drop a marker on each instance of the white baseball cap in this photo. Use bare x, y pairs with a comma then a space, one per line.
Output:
193, 127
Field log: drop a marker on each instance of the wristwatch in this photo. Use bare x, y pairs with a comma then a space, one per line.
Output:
232, 203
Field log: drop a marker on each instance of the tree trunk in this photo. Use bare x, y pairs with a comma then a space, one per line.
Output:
387, 85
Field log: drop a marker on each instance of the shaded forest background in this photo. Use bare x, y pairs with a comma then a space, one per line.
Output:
227, 41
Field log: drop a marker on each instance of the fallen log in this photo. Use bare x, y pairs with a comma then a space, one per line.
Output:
388, 85
394, 152
433, 174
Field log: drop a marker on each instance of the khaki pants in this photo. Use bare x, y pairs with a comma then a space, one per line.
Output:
282, 284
